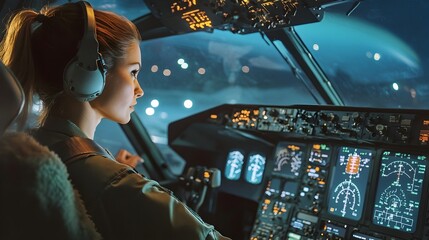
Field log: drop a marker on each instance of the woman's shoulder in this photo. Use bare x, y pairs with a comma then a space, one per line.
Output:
98, 169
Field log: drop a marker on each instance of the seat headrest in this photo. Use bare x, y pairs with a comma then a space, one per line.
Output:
11, 98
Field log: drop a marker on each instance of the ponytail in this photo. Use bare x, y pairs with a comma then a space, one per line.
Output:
16, 53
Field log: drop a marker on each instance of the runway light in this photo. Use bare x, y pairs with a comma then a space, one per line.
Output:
184, 65
245, 69
395, 86
201, 71
166, 72
316, 47
154, 68
154, 103
150, 111
377, 56
187, 103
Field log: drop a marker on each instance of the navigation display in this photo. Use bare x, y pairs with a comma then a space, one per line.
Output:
349, 181
234, 164
399, 191
288, 160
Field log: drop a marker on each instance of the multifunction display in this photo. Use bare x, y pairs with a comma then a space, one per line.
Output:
288, 160
255, 168
234, 165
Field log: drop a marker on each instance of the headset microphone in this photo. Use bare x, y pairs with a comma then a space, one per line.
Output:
85, 75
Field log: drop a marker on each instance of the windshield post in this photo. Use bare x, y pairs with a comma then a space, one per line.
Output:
291, 41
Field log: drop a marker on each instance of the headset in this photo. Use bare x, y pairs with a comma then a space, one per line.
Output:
85, 74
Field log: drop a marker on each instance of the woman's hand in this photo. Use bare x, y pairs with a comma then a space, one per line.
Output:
125, 157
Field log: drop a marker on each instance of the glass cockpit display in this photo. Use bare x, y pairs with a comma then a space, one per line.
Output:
399, 191
288, 160
255, 168
349, 182
234, 164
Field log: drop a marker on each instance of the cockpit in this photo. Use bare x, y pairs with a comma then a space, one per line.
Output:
282, 119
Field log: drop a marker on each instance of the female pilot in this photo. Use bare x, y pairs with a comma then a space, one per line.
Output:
39, 48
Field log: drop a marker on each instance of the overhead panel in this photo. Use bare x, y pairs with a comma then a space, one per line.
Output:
238, 16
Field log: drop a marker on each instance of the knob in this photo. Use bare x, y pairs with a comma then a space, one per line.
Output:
381, 129
333, 117
324, 129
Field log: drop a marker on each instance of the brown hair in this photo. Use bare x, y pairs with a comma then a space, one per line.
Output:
38, 46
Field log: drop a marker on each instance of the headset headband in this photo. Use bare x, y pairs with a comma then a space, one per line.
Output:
88, 50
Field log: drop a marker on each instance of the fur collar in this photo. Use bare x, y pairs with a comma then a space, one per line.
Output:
37, 199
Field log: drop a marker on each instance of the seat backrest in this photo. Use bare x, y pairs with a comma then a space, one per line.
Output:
37, 201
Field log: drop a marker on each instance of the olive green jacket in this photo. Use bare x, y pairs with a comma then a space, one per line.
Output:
122, 203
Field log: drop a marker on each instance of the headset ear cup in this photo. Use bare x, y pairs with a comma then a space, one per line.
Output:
83, 84
84, 76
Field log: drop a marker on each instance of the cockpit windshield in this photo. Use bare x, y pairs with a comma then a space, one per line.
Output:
189, 73
377, 56
374, 56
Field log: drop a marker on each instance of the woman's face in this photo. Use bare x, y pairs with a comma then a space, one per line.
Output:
122, 88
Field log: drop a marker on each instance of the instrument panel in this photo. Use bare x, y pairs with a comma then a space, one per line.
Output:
316, 172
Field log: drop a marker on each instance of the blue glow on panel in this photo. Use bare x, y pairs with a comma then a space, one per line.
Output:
255, 168
234, 164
